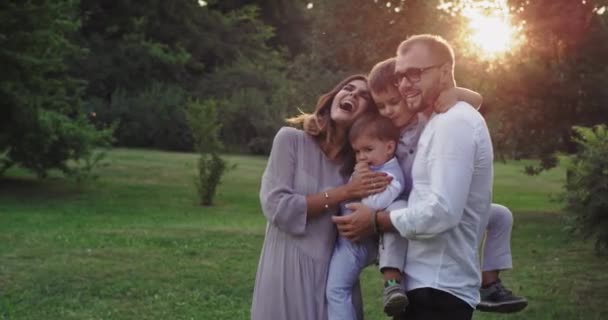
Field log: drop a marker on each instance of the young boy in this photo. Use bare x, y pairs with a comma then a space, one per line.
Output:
495, 297
374, 140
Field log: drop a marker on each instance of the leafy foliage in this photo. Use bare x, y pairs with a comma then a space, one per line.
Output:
136, 64
587, 186
535, 94
202, 119
42, 125
154, 117
532, 96
202, 52
211, 167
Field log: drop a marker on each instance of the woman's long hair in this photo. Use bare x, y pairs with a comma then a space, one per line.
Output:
327, 127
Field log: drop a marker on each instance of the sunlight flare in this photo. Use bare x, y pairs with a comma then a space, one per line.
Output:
490, 30
492, 34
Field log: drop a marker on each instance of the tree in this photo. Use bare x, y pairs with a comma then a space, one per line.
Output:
536, 93
207, 51
587, 186
42, 123
254, 92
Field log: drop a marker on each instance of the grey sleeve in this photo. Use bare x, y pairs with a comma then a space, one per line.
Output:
281, 205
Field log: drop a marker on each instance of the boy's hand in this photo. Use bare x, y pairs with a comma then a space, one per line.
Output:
312, 125
446, 100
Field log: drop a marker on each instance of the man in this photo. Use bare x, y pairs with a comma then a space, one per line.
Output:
497, 252
450, 200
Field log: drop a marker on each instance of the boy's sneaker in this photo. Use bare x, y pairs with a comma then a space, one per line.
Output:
497, 298
395, 299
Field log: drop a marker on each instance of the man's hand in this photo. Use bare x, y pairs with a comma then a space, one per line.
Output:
357, 225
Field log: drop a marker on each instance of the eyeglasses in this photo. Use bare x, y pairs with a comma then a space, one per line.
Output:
413, 74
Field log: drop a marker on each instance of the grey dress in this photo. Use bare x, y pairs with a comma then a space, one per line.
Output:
292, 272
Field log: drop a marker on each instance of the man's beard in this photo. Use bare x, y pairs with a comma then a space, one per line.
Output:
417, 108
425, 103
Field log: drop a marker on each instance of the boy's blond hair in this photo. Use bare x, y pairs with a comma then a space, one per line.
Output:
382, 76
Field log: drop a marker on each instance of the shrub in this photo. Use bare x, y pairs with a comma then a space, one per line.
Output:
210, 170
203, 122
54, 138
587, 186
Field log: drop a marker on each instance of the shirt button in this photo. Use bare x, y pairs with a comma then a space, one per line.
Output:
411, 151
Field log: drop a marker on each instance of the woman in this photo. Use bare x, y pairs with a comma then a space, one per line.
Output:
302, 187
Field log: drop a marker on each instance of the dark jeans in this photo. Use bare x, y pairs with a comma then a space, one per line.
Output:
433, 304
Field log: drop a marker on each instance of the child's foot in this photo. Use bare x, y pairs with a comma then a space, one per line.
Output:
395, 299
497, 298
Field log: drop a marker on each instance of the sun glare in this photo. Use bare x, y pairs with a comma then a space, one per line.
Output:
491, 34
490, 30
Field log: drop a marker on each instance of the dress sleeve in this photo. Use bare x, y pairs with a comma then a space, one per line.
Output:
282, 206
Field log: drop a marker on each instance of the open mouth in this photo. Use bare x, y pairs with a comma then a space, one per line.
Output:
347, 106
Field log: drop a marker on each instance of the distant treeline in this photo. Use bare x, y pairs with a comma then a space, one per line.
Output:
73, 67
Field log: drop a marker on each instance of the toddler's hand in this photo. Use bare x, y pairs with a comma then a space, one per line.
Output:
361, 168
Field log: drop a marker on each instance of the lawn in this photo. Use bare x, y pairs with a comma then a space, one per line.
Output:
136, 245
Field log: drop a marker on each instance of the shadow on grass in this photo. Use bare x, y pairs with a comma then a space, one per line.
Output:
29, 188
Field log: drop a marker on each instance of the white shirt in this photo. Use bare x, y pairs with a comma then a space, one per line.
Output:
449, 203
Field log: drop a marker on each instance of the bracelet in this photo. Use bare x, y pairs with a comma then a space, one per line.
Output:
326, 200
374, 221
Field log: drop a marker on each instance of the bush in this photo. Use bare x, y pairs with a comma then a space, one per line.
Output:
210, 170
587, 186
202, 120
53, 138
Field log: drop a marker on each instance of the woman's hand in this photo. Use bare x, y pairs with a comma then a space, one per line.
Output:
367, 183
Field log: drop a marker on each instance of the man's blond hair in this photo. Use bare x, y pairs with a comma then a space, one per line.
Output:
437, 45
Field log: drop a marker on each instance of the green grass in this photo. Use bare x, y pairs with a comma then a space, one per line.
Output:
136, 245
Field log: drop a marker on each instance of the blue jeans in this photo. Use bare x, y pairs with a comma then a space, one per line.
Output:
347, 262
